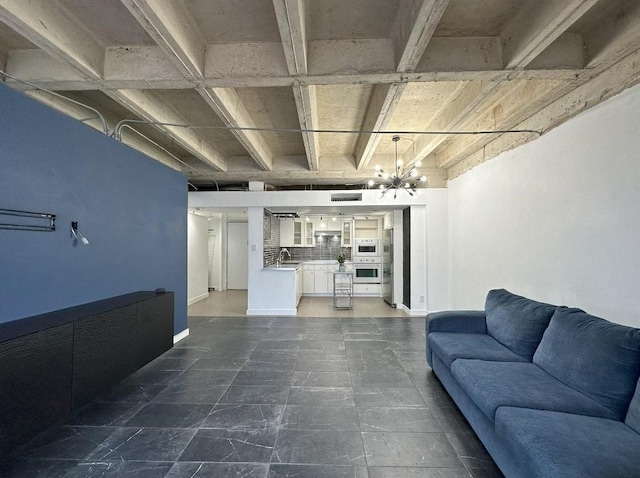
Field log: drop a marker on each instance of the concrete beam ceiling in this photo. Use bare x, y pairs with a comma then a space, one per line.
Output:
259, 83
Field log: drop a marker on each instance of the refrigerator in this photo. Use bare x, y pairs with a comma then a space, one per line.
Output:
387, 266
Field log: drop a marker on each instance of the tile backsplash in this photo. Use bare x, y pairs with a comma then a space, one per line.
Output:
327, 247
271, 227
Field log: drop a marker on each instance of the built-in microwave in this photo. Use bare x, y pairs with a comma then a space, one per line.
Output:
367, 247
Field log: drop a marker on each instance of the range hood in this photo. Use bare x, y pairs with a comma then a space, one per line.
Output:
328, 232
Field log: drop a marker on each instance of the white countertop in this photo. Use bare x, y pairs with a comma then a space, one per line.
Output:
284, 267
294, 265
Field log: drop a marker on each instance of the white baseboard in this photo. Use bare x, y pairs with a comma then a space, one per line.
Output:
182, 335
198, 298
418, 312
271, 311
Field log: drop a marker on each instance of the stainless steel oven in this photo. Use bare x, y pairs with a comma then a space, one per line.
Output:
367, 270
367, 248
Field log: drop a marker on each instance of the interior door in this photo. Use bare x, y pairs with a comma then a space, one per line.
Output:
237, 255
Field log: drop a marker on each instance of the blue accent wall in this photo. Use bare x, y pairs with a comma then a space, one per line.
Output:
132, 209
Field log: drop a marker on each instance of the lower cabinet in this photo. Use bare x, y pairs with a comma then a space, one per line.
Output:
308, 279
54, 363
321, 284
318, 278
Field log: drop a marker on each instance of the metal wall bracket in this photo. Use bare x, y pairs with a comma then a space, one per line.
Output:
27, 221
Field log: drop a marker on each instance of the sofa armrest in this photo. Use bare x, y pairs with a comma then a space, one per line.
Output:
464, 321
461, 321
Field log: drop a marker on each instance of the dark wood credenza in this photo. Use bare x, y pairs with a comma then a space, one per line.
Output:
52, 364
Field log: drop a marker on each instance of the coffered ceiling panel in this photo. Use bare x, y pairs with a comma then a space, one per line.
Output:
341, 108
120, 29
229, 21
275, 108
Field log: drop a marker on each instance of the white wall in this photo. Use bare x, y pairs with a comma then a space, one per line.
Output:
557, 219
237, 257
216, 241
197, 259
438, 297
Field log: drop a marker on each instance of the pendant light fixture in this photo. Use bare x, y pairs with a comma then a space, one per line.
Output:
405, 178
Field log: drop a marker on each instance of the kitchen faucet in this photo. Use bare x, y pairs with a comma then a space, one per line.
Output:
284, 251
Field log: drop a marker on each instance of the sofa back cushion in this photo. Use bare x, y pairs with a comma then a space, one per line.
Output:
517, 322
633, 415
592, 355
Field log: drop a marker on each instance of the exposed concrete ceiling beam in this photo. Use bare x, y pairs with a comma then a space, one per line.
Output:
508, 106
464, 102
229, 107
382, 104
290, 15
171, 27
56, 32
148, 67
169, 24
291, 23
412, 30
620, 43
306, 105
534, 28
146, 106
605, 85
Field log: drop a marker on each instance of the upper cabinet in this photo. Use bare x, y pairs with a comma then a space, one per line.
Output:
367, 228
346, 238
327, 223
298, 233
309, 232
291, 232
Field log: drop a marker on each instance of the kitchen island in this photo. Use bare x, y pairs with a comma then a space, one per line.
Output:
282, 285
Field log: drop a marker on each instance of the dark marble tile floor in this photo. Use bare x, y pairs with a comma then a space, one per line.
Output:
271, 398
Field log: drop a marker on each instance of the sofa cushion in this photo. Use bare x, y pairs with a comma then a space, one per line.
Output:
633, 414
451, 346
517, 322
594, 356
561, 445
520, 384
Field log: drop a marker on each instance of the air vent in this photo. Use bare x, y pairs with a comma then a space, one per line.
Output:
341, 197
285, 214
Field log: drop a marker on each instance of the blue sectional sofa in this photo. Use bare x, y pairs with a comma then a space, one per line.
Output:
551, 391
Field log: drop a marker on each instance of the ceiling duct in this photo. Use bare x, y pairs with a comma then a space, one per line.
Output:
341, 197
288, 215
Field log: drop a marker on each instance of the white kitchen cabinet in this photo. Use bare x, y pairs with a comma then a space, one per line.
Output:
321, 280
286, 232
367, 228
291, 232
367, 290
309, 232
346, 239
308, 279
298, 233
